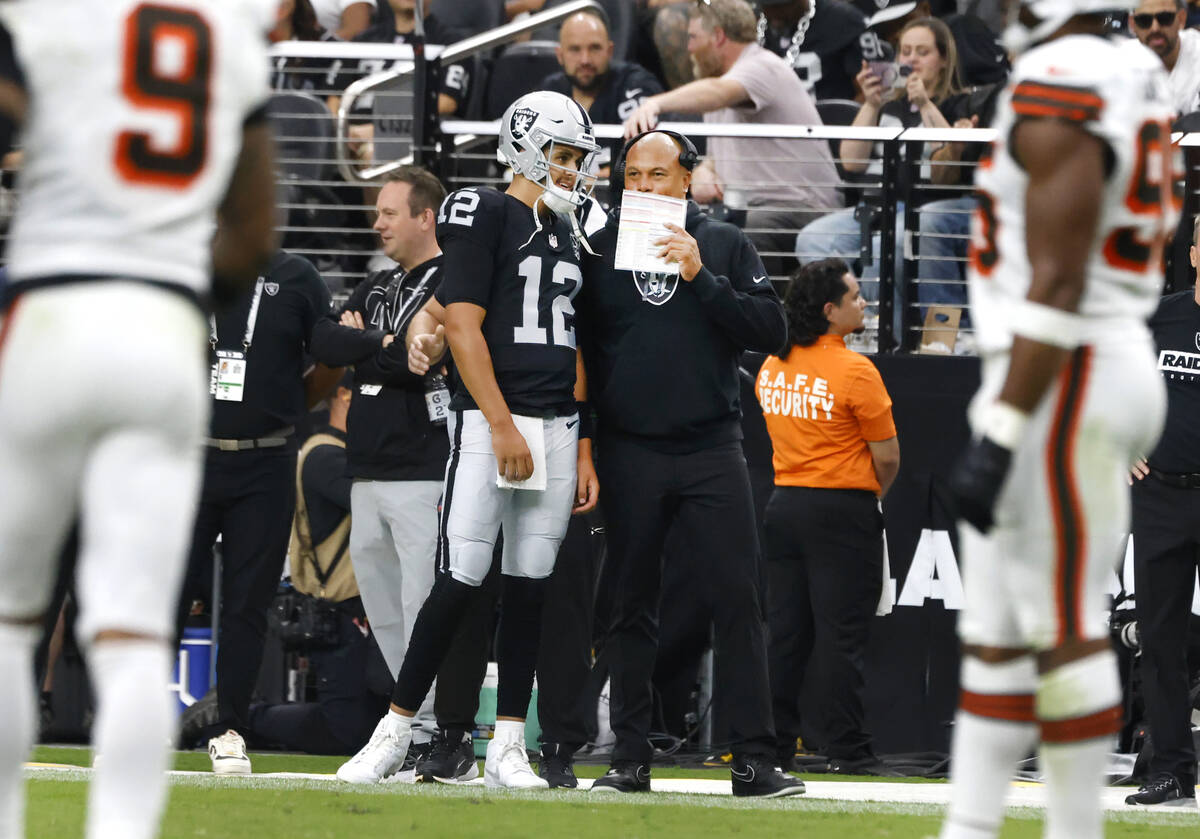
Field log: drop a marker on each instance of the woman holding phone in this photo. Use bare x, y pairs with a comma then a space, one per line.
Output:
920, 89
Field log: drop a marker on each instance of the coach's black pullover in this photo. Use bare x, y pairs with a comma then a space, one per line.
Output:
388, 433
662, 354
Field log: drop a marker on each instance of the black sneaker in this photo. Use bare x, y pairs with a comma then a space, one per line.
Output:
557, 766
451, 758
1165, 789
625, 776
415, 754
757, 777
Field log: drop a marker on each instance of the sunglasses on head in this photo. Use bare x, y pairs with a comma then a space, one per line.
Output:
1164, 19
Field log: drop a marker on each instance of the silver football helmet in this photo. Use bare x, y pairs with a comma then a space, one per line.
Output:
1018, 37
529, 130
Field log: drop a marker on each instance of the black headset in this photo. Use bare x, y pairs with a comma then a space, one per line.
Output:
688, 157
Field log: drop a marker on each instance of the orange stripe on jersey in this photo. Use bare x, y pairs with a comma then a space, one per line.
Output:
1054, 110
1077, 729
1069, 525
1085, 97
1031, 99
1013, 707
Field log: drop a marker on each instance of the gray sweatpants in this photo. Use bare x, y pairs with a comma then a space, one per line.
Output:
393, 547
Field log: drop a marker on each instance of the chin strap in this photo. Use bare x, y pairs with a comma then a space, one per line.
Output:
537, 222
575, 228
581, 236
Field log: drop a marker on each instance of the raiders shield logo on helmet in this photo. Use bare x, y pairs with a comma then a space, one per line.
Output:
522, 119
654, 287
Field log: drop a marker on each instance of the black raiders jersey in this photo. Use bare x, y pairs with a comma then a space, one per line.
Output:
624, 87
526, 278
455, 79
831, 55
1176, 328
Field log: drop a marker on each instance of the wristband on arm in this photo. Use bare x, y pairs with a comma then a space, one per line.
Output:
587, 425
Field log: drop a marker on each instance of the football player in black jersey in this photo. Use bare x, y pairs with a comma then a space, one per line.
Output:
511, 272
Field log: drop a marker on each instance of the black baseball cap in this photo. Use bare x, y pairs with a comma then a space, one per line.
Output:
881, 11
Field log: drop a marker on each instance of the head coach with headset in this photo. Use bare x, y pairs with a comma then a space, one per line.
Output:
661, 352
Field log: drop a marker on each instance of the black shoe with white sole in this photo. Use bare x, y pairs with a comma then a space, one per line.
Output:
1165, 789
451, 758
624, 776
557, 766
757, 776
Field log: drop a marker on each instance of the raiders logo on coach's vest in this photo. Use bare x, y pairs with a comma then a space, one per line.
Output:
654, 287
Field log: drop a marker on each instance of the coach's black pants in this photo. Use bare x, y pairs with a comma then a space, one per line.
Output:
824, 552
708, 494
1166, 539
248, 498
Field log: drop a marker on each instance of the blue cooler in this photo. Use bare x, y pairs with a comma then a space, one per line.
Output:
193, 665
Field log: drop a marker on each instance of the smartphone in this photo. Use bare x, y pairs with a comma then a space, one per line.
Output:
888, 73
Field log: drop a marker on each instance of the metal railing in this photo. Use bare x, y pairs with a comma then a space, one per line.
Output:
910, 251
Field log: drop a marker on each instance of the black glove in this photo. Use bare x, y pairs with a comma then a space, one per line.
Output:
977, 479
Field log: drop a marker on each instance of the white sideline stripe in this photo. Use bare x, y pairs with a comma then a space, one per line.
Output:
1020, 794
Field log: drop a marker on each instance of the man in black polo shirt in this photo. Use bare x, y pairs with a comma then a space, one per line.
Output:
1166, 550
257, 383
662, 368
608, 90
397, 444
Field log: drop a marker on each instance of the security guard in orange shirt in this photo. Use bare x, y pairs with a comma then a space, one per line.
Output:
835, 455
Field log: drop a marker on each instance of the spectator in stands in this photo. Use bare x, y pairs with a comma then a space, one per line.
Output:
608, 90
825, 42
344, 18
295, 20
398, 28
981, 58
664, 23
1159, 24
887, 18
836, 453
928, 50
782, 184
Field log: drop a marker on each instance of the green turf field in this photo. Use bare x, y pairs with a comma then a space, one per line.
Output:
260, 808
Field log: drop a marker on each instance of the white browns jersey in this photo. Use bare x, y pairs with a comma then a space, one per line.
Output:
1118, 92
134, 125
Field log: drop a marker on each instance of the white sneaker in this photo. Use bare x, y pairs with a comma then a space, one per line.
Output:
228, 754
507, 765
381, 757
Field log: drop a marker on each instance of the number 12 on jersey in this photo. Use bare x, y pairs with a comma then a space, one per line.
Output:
530, 331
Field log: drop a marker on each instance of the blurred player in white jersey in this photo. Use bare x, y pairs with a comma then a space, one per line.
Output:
139, 122
1075, 202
